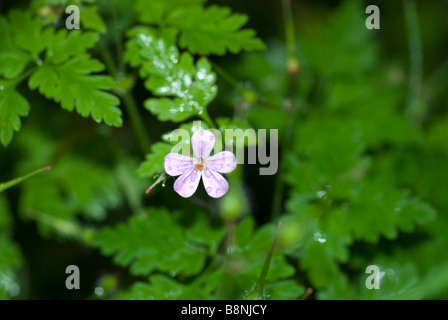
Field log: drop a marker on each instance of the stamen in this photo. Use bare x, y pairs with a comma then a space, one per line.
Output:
199, 166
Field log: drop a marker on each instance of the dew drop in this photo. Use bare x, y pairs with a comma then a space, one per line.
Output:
319, 237
99, 291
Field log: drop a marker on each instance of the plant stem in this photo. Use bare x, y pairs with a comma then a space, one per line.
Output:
289, 32
205, 116
257, 294
13, 182
129, 103
293, 68
416, 62
136, 122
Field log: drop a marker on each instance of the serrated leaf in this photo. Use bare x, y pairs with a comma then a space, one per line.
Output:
27, 32
381, 211
12, 106
152, 242
73, 186
155, 11
213, 30
153, 164
66, 44
13, 59
171, 74
91, 19
74, 87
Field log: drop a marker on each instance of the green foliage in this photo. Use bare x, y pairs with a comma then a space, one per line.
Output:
14, 59
65, 74
171, 74
211, 30
163, 248
74, 186
361, 178
153, 164
72, 85
10, 257
90, 18
10, 117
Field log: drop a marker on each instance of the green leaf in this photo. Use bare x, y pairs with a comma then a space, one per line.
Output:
10, 257
155, 11
284, 290
381, 211
13, 59
203, 232
74, 87
171, 74
12, 106
338, 47
213, 30
159, 287
91, 19
152, 242
73, 186
66, 44
27, 32
153, 164
246, 259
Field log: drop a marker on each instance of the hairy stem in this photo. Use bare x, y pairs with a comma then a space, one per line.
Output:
129, 103
13, 182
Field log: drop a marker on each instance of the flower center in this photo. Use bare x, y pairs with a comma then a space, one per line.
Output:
199, 166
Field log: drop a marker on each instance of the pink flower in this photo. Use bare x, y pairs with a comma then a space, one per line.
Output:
201, 165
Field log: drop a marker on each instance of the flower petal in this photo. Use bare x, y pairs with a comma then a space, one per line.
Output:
214, 183
187, 183
202, 142
176, 164
223, 162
